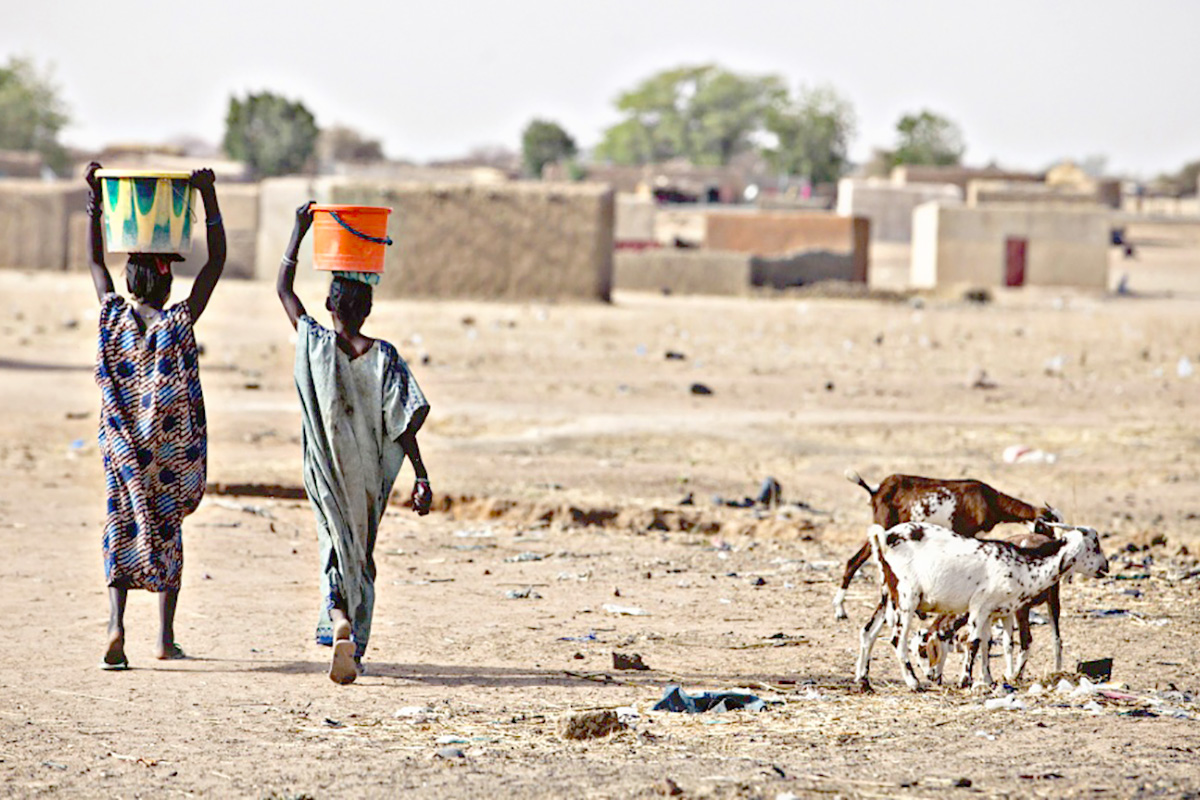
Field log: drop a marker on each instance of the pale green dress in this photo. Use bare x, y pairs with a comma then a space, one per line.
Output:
354, 411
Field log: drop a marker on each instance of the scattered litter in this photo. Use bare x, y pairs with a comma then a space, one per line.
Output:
1085, 688
526, 556
1138, 712
450, 739
1184, 368
628, 611
674, 355
1021, 454
1064, 686
1101, 613
1099, 670
640, 350
628, 715
978, 379
1094, 707
527, 593
591, 637
1054, 366
1037, 690
77, 415
628, 661
770, 494
451, 752
333, 723
1010, 702
991, 737
574, 576
668, 787
413, 713
480, 533
675, 699
591, 725
700, 388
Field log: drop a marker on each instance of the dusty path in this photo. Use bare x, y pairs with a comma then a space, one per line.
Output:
541, 409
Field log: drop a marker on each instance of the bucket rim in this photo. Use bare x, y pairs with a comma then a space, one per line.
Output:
339, 207
143, 173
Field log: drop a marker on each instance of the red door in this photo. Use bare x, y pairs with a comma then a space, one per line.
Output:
1014, 261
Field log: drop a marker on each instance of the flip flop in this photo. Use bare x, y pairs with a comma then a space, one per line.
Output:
174, 654
342, 669
118, 666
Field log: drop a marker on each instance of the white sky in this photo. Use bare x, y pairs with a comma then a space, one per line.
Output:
1029, 81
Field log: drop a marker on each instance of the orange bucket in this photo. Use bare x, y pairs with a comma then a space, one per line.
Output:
349, 238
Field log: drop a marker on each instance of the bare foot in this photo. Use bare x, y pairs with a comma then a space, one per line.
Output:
114, 656
170, 652
342, 668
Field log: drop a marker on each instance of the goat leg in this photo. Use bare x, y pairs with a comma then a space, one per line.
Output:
852, 566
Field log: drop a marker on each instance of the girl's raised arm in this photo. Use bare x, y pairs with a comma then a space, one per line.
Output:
287, 267
95, 208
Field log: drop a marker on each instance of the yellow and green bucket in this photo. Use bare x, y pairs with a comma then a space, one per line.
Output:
147, 211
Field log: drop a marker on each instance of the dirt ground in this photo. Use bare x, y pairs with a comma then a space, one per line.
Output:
561, 443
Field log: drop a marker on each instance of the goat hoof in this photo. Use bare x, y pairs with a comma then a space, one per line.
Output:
966, 683
864, 687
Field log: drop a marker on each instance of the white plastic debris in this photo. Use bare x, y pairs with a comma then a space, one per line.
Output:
1010, 702
1094, 707
1023, 454
413, 713
1064, 686
985, 735
628, 611
1037, 690
1054, 366
1184, 368
1085, 689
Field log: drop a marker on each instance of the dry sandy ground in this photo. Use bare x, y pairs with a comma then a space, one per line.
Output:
563, 431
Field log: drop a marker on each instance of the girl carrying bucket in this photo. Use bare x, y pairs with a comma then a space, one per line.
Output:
153, 433
361, 409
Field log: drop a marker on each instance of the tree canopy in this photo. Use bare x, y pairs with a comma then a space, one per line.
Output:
31, 112
705, 114
812, 134
272, 134
545, 142
928, 138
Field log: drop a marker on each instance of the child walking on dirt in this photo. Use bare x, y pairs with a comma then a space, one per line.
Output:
361, 409
153, 432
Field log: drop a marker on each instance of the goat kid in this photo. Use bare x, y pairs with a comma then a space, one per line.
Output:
931, 569
967, 507
932, 645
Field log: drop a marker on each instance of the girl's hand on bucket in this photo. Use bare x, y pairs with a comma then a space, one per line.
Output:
422, 497
304, 218
203, 179
89, 175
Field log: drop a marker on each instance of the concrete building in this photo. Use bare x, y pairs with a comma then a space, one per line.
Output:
35, 218
1009, 246
511, 241
889, 205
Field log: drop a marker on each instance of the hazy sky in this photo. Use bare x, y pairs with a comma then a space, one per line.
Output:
1029, 81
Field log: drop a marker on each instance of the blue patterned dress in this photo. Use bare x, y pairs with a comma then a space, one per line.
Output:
154, 440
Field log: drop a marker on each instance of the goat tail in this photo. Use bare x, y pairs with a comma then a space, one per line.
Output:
875, 535
854, 477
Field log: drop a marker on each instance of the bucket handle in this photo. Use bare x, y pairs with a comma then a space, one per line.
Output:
386, 240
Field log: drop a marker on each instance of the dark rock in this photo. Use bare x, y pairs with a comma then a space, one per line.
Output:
673, 355
628, 661
700, 388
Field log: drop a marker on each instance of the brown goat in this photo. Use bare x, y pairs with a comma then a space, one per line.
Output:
966, 507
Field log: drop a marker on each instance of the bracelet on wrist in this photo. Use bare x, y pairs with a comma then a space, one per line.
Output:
216, 220
291, 262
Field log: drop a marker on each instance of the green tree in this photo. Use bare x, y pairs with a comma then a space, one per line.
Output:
928, 138
270, 133
31, 112
705, 114
812, 134
545, 142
